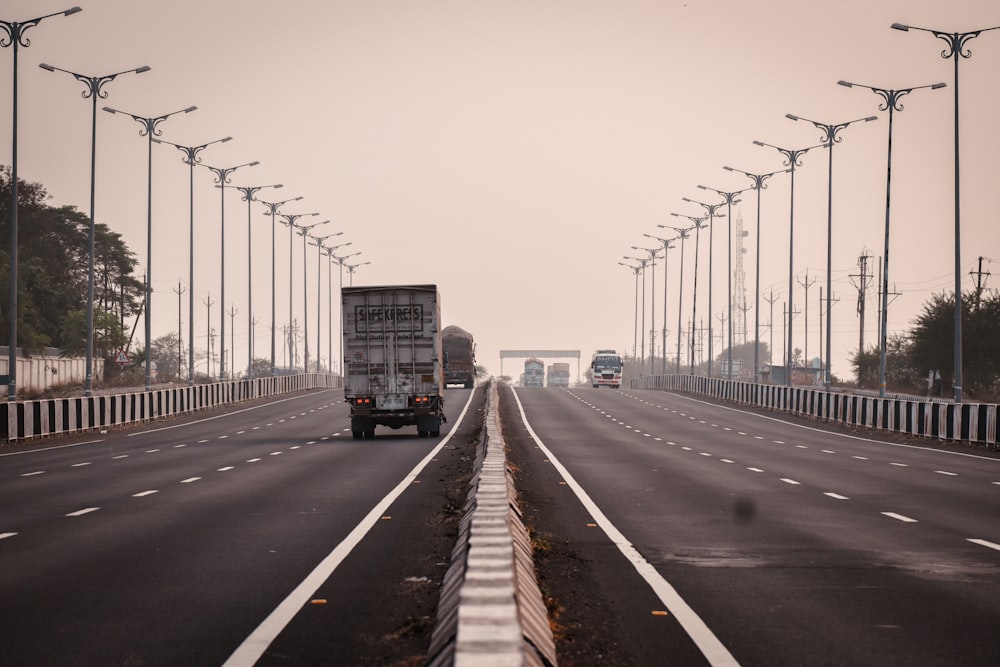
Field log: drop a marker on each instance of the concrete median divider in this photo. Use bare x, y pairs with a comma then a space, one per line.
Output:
491, 610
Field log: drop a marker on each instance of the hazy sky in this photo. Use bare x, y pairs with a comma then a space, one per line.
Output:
511, 152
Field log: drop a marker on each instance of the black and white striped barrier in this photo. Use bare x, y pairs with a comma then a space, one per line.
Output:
961, 422
21, 420
491, 610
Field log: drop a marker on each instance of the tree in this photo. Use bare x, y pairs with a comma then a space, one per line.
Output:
932, 340
108, 334
53, 252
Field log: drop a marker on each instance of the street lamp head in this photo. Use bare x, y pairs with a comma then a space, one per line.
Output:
72, 10
144, 68
792, 116
938, 85
900, 26
46, 66
846, 84
190, 109
758, 143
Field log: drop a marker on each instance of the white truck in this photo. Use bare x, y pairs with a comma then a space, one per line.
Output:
393, 358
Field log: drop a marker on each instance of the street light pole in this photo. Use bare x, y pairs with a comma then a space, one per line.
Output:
191, 159
682, 234
891, 103
222, 175
319, 291
93, 91
340, 337
290, 221
12, 34
830, 131
758, 185
351, 268
730, 199
642, 334
304, 233
793, 157
956, 51
248, 192
149, 130
635, 317
330, 252
653, 254
710, 211
699, 223
663, 335
272, 210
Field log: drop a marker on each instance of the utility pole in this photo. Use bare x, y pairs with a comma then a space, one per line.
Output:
806, 284
179, 291
862, 282
981, 278
771, 300
208, 335
722, 334
232, 342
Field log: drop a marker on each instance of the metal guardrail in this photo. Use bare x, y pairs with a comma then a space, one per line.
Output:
21, 420
974, 423
491, 611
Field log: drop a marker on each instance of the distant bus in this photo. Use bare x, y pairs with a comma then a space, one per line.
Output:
606, 367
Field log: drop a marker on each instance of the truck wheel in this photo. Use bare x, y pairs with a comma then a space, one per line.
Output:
435, 433
370, 434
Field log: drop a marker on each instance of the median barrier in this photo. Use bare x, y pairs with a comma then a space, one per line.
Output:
491, 610
975, 423
20, 420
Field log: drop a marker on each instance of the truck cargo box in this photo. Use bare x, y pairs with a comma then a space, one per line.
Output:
393, 358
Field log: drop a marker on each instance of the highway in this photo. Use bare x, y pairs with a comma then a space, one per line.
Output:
713, 535
259, 531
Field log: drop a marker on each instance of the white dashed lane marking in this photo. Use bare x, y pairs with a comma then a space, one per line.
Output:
85, 510
899, 517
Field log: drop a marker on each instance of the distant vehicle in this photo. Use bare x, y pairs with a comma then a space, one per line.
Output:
558, 375
393, 358
534, 373
606, 367
459, 356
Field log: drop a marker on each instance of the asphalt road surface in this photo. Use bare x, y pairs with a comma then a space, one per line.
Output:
260, 531
685, 533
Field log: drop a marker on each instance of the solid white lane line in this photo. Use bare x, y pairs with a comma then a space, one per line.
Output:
32, 474
899, 517
189, 480
982, 543
713, 649
790, 481
254, 646
4, 536
835, 496
85, 510
143, 494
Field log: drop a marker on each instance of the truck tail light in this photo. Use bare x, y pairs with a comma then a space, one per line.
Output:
364, 400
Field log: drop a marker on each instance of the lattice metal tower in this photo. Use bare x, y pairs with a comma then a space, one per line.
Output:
740, 287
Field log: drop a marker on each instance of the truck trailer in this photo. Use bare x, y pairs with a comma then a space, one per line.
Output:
459, 356
393, 358
558, 375
534, 373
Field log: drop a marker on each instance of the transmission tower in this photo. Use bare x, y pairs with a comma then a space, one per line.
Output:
739, 323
